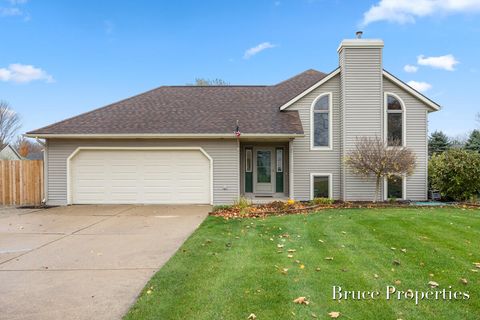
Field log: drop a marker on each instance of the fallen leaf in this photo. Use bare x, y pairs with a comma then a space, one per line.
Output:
291, 250
149, 291
464, 281
280, 245
328, 258
396, 262
393, 248
318, 269
397, 282
290, 256
344, 232
477, 265
252, 316
433, 284
314, 315
302, 266
431, 275
301, 300
334, 314
320, 240
375, 276
404, 250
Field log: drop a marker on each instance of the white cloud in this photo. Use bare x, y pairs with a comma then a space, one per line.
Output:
446, 62
419, 86
405, 11
410, 69
257, 49
9, 12
15, 2
109, 27
23, 73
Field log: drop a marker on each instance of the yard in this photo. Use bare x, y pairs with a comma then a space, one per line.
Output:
230, 269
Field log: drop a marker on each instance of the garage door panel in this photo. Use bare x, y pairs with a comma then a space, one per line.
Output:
140, 176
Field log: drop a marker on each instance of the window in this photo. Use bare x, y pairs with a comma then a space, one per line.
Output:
248, 160
395, 187
321, 185
394, 120
321, 122
279, 160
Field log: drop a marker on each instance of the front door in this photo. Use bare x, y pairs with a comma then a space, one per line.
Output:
263, 171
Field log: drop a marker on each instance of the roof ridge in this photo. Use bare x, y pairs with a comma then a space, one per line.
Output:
297, 75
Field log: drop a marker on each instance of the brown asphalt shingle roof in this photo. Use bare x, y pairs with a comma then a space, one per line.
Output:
196, 110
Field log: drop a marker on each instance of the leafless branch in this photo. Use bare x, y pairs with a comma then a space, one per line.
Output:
9, 123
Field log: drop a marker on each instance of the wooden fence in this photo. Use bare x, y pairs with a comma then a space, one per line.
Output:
21, 182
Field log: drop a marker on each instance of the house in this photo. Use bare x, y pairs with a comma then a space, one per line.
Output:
177, 144
9, 153
35, 155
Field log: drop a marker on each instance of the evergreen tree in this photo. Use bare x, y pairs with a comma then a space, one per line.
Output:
438, 142
473, 142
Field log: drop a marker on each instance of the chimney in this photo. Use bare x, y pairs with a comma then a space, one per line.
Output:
359, 34
361, 103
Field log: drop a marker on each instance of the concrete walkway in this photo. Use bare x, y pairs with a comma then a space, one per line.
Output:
85, 262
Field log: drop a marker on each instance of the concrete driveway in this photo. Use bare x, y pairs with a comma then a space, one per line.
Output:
85, 262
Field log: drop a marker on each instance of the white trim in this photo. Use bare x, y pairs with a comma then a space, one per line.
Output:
45, 172
426, 155
330, 183
404, 188
385, 118
291, 193
164, 136
360, 43
69, 195
313, 87
412, 91
330, 123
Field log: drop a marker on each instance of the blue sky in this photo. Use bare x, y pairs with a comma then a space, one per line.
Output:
61, 58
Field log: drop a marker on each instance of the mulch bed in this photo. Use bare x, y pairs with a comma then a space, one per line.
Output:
279, 208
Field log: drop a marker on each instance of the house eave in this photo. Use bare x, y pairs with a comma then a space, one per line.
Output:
164, 136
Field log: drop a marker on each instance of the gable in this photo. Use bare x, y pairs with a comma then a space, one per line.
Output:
400, 85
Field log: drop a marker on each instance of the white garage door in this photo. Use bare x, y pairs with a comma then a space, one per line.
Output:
140, 176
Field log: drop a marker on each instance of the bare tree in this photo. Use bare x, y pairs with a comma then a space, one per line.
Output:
9, 123
209, 82
26, 146
372, 157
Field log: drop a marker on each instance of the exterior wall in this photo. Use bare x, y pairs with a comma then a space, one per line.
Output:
8, 154
306, 161
416, 140
362, 103
225, 155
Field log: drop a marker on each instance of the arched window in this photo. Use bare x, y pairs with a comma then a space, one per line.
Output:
394, 121
321, 124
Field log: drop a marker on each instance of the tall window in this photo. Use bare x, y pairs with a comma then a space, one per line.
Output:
394, 122
321, 124
395, 187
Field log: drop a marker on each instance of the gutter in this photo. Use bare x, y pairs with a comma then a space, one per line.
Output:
163, 136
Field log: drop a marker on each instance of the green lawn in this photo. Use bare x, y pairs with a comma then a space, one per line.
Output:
229, 269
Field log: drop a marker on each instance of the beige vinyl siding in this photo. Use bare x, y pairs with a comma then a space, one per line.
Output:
363, 113
416, 139
225, 155
306, 161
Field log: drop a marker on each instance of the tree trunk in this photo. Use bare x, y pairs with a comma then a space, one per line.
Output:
377, 189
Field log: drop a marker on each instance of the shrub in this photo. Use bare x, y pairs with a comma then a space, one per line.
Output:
242, 204
324, 201
221, 207
456, 174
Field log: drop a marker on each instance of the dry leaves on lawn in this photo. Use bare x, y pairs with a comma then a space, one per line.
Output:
252, 316
328, 258
464, 281
433, 284
334, 314
301, 300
